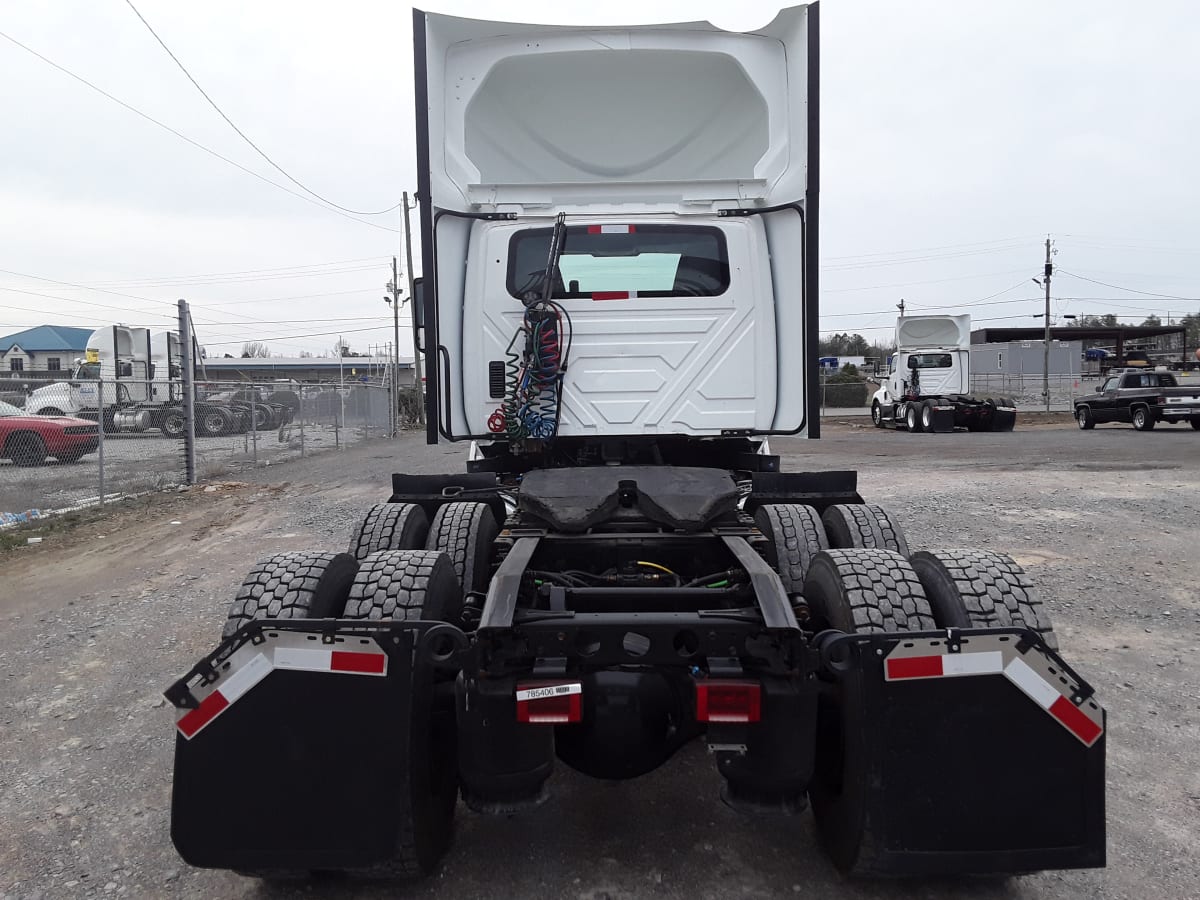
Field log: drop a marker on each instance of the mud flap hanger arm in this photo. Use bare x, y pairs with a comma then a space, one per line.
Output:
441, 644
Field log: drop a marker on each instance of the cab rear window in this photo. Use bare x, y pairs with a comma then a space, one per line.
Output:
933, 360
620, 261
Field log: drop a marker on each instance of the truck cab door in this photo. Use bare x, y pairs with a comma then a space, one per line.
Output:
1111, 407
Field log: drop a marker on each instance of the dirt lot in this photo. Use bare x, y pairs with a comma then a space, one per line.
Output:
95, 622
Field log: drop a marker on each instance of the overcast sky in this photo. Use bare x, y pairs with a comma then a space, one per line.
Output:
955, 137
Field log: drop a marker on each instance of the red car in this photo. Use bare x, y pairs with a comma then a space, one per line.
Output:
27, 440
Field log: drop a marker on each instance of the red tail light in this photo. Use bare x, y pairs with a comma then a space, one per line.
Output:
549, 702
728, 701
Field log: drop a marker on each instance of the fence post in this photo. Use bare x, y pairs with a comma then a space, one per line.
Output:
100, 435
252, 391
187, 369
300, 411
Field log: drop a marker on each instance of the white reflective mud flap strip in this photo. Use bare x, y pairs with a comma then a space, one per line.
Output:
246, 677
1031, 683
990, 662
310, 659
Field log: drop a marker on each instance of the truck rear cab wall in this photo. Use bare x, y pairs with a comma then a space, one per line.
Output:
771, 171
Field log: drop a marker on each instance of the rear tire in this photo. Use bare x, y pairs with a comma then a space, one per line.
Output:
863, 525
299, 585
927, 416
838, 596
1083, 418
1142, 419
264, 420
390, 526
408, 585
26, 449
210, 421
912, 417
173, 424
981, 589
794, 535
465, 531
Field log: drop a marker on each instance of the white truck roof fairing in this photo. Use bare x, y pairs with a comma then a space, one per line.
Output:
946, 332
608, 125
560, 117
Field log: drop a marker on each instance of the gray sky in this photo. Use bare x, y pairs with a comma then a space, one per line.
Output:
955, 136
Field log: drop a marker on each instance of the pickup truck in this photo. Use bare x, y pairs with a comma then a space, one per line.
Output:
1141, 398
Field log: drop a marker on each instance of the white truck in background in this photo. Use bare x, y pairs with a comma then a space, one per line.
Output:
135, 376
929, 381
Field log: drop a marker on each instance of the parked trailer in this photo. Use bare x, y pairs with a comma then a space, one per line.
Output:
623, 568
927, 387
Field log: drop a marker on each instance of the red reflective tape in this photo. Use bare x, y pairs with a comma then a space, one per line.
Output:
366, 663
915, 667
593, 229
210, 707
1077, 723
610, 295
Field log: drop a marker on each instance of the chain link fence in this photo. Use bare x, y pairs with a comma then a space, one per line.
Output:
1026, 390
54, 456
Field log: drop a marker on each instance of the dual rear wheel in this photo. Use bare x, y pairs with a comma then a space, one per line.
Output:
879, 591
400, 567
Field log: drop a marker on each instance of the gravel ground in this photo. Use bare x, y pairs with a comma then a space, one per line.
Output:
96, 621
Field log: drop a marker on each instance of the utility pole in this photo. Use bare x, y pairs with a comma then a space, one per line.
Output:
1046, 344
418, 386
900, 306
394, 287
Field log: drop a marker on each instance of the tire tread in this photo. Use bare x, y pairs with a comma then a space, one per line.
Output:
994, 588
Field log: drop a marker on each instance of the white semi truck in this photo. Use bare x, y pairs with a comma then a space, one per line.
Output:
929, 381
131, 379
619, 229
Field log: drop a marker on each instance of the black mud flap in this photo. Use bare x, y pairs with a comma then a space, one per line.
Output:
980, 752
942, 418
287, 741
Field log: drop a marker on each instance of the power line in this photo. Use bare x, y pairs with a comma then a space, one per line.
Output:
288, 337
278, 276
1121, 288
872, 287
935, 257
174, 279
242, 135
1008, 240
189, 140
249, 319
